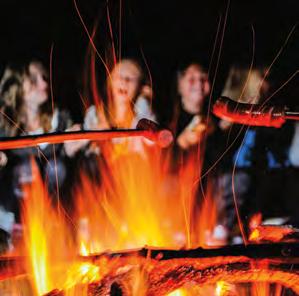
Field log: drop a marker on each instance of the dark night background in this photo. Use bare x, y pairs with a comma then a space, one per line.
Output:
167, 31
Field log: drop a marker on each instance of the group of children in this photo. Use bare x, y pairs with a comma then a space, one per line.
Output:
238, 159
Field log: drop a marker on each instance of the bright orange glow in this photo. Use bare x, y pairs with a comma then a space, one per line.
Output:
50, 248
179, 292
132, 207
220, 287
138, 203
35, 211
223, 288
82, 273
192, 289
255, 221
127, 214
273, 233
270, 233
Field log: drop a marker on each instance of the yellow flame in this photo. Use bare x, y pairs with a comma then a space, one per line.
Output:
48, 240
138, 203
221, 288
178, 292
34, 211
82, 273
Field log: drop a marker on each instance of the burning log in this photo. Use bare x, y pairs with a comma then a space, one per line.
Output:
168, 270
253, 251
55, 292
163, 271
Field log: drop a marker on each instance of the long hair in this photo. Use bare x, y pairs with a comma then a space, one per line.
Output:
10, 98
244, 85
45, 109
12, 119
176, 96
110, 103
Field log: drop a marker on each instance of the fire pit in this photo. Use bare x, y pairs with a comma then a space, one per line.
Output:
131, 219
164, 271
158, 272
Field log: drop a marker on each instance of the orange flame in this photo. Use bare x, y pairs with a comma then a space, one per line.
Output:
49, 243
274, 233
35, 208
127, 213
138, 203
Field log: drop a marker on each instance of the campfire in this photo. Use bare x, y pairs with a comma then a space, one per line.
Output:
130, 234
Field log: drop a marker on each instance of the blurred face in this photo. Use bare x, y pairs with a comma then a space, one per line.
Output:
255, 88
35, 85
193, 86
125, 81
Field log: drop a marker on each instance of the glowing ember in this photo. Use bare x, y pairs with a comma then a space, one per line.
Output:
131, 207
272, 233
224, 288
84, 273
180, 292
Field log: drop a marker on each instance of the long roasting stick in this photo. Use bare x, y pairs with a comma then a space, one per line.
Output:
145, 128
253, 114
60, 137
